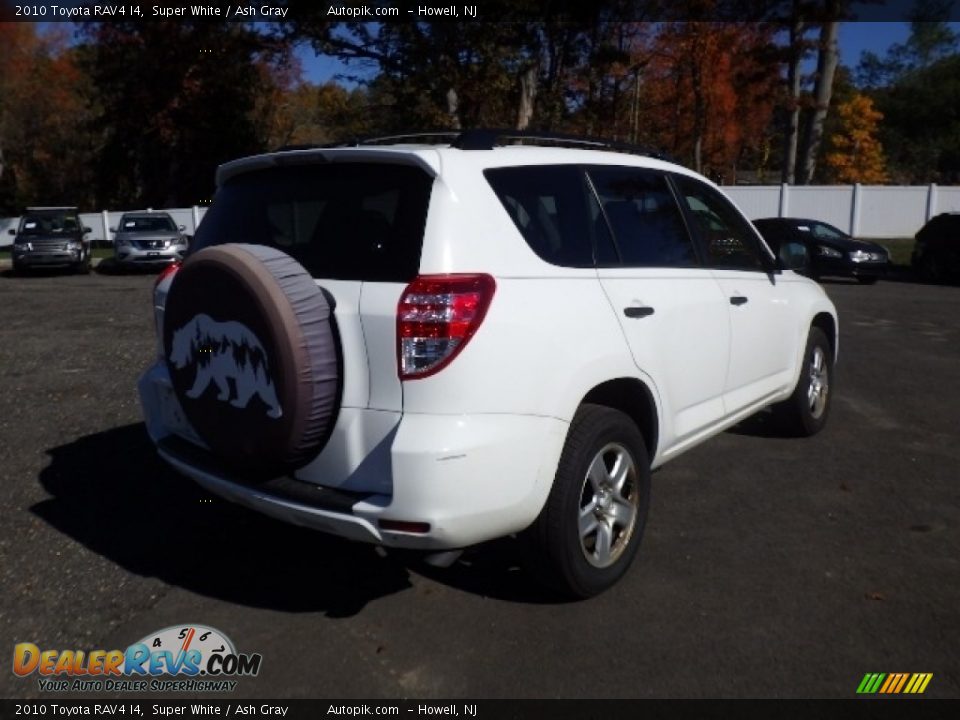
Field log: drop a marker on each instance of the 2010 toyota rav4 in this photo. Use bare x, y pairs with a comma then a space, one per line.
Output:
430, 346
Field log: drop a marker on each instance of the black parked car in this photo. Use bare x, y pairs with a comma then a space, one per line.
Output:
936, 255
830, 250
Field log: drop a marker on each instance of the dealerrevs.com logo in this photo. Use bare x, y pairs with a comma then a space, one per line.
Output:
201, 658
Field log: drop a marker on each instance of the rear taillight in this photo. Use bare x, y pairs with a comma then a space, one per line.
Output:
436, 317
165, 273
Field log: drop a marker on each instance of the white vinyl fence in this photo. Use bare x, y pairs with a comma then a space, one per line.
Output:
877, 211
866, 211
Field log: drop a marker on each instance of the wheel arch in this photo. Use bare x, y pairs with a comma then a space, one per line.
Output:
828, 324
633, 398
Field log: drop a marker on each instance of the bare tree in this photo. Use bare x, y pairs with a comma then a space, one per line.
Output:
796, 50
529, 84
828, 56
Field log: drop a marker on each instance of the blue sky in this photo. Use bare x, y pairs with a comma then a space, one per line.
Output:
855, 37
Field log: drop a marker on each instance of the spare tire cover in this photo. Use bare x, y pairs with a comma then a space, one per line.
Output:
252, 354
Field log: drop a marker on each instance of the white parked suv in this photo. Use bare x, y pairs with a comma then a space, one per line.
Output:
428, 346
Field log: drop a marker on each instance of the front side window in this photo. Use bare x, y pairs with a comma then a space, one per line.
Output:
728, 239
646, 222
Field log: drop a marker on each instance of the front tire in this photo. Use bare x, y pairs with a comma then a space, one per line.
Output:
805, 412
867, 279
590, 528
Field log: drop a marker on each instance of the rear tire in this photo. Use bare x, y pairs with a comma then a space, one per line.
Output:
869, 280
805, 412
590, 529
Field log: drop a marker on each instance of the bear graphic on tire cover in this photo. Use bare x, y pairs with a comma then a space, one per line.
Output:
223, 351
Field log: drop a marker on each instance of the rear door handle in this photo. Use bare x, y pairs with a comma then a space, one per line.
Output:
638, 311
738, 300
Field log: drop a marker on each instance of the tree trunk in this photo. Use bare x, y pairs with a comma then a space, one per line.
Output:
453, 109
528, 94
788, 174
699, 113
827, 58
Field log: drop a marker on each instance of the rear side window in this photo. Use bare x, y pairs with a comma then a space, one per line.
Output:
644, 216
345, 221
548, 204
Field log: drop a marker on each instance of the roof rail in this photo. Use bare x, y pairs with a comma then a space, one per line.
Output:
489, 138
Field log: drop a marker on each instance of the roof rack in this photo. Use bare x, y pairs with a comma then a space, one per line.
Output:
489, 138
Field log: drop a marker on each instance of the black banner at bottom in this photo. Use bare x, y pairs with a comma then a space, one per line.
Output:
868, 709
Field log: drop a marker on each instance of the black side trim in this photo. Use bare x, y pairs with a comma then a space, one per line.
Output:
283, 488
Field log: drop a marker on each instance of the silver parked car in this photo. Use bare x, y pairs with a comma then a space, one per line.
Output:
148, 238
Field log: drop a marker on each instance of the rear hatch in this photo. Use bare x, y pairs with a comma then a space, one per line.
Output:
356, 223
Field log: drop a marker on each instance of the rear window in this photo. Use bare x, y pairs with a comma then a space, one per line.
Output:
345, 221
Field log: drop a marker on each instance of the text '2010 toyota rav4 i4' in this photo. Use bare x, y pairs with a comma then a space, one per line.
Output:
429, 346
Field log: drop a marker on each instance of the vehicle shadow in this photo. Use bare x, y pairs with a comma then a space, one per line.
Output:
113, 494
896, 274
498, 569
764, 424
36, 272
110, 266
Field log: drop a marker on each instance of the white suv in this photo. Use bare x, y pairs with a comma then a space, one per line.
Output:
429, 346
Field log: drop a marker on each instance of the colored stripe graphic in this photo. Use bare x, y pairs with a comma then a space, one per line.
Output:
894, 683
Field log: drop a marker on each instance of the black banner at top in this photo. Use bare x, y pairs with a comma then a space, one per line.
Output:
380, 11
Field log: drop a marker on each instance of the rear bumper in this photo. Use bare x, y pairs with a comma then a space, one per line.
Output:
470, 478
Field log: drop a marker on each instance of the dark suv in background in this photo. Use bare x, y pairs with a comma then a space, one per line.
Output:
936, 255
51, 237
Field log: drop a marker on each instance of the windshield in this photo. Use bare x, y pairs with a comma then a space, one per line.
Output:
146, 224
49, 222
827, 232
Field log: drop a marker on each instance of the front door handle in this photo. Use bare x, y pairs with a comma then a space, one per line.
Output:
738, 300
638, 311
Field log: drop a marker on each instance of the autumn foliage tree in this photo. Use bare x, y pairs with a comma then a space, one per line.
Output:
710, 92
45, 153
857, 155
177, 99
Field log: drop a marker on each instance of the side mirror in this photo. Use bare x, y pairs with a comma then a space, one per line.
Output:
12, 231
794, 256
181, 227
113, 229
87, 230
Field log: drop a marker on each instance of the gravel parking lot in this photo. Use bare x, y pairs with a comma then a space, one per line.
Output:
771, 567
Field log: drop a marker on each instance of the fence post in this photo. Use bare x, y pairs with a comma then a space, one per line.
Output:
855, 211
931, 201
105, 217
196, 219
784, 203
